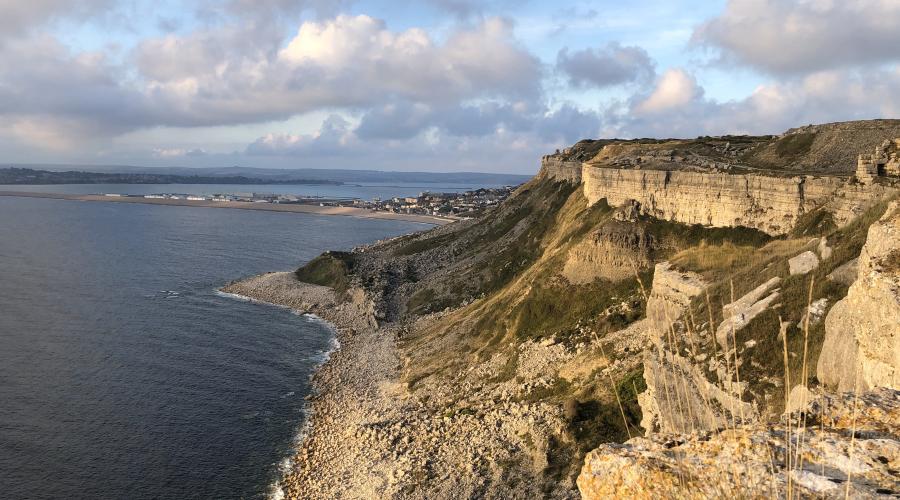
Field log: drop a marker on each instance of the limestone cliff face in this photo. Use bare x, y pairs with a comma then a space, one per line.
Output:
862, 331
611, 253
770, 204
560, 169
679, 396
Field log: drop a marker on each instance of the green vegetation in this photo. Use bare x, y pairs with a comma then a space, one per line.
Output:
763, 363
813, 223
330, 269
794, 145
676, 235
597, 421
419, 245
555, 307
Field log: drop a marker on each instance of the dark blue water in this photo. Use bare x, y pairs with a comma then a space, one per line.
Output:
124, 375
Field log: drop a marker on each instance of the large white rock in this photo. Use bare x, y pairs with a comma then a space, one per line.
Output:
740, 312
803, 263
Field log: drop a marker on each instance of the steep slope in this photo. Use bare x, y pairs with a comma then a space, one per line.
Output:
567, 318
535, 305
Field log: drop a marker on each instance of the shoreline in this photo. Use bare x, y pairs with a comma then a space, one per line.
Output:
348, 321
239, 205
367, 435
286, 463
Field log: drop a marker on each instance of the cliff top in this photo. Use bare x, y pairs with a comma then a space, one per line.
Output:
829, 149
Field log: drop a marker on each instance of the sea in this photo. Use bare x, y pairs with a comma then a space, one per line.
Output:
124, 373
363, 191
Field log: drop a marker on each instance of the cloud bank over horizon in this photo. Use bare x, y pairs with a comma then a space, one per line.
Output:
437, 85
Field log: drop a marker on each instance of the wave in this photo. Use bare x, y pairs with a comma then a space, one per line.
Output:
276, 491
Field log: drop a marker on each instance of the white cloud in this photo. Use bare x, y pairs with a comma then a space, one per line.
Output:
789, 37
18, 17
610, 65
349, 61
178, 152
826, 96
674, 89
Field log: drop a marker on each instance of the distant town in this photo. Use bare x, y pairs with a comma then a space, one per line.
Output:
457, 205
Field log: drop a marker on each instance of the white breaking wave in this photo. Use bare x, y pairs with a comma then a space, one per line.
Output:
276, 492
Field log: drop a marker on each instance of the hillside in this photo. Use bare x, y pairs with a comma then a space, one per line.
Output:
581, 312
826, 149
18, 176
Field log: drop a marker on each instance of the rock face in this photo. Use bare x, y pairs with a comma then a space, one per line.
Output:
758, 461
560, 169
846, 273
679, 395
862, 331
770, 204
740, 312
611, 253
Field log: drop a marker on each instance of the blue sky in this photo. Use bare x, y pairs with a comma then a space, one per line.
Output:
443, 85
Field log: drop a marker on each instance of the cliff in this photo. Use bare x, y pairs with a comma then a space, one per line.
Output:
862, 331
635, 318
770, 183
772, 204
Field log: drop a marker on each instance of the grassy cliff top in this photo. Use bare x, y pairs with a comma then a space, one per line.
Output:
824, 149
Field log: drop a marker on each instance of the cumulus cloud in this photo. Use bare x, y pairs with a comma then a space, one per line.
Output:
349, 61
674, 89
51, 92
612, 64
826, 96
788, 37
19, 17
333, 137
568, 124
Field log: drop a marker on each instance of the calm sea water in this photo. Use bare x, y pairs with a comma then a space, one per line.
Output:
363, 191
124, 375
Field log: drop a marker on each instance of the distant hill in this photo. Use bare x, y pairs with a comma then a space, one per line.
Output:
272, 175
14, 175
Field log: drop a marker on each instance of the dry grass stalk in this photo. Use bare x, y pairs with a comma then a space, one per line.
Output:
801, 424
612, 384
737, 372
692, 327
715, 355
787, 397
670, 340
852, 431
730, 387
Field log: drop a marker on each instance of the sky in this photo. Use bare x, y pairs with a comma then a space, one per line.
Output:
424, 85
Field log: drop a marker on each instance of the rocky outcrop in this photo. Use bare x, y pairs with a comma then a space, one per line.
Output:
611, 253
768, 203
679, 396
740, 312
862, 331
819, 458
560, 168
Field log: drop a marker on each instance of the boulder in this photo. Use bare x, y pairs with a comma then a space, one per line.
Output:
823, 249
740, 312
803, 263
845, 274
